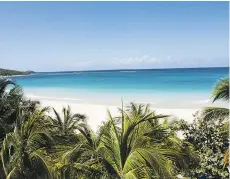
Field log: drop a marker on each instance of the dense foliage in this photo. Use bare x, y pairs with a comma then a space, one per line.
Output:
209, 135
7, 72
138, 143
210, 140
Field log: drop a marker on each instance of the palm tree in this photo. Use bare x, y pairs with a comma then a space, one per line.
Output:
22, 149
140, 147
75, 160
134, 145
69, 123
80, 160
220, 92
4, 82
9, 102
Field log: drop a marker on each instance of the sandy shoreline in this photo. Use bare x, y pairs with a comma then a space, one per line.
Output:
96, 114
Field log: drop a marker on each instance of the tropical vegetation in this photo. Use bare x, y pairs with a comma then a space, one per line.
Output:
209, 134
7, 72
40, 143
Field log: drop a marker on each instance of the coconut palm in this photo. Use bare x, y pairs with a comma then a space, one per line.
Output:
220, 92
80, 160
68, 124
4, 82
63, 130
134, 145
9, 102
22, 149
9, 98
139, 148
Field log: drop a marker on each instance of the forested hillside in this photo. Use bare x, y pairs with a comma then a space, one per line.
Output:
7, 72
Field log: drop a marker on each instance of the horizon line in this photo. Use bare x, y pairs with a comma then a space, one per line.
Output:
126, 69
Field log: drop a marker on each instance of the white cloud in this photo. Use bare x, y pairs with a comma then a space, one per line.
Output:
144, 60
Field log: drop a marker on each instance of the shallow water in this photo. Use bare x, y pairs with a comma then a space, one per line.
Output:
171, 88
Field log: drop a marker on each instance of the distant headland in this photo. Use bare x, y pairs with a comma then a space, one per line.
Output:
8, 72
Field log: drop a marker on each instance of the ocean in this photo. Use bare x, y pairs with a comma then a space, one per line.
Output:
172, 88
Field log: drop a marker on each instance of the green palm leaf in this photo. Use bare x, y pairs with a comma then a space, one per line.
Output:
20, 153
221, 90
215, 113
69, 123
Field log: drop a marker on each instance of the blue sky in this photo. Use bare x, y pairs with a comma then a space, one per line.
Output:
54, 36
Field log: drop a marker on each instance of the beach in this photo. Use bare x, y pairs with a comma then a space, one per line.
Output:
96, 114
179, 93
114, 90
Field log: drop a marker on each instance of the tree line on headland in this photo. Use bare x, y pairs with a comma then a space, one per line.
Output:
139, 143
7, 72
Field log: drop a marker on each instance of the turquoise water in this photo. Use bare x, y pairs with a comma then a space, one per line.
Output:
177, 80
197, 82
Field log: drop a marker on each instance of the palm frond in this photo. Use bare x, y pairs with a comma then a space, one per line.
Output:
4, 82
221, 90
153, 157
210, 113
57, 117
69, 123
226, 158
39, 165
15, 174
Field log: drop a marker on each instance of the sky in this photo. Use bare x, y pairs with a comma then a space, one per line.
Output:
62, 36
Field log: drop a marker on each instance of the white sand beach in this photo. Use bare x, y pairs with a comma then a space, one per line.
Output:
96, 114
95, 105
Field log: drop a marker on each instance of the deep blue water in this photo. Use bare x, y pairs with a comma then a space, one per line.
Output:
196, 80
